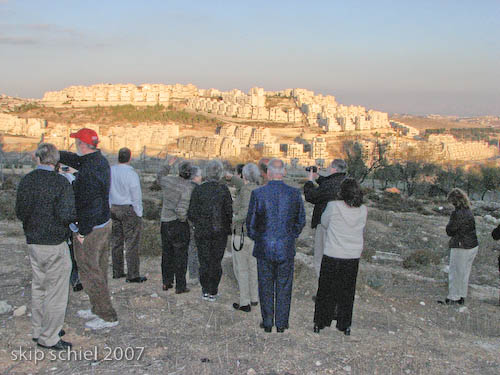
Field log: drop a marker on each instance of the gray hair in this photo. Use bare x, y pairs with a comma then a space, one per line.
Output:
214, 170
47, 153
251, 173
340, 165
276, 167
195, 171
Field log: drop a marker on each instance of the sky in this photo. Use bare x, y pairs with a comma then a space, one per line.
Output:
401, 56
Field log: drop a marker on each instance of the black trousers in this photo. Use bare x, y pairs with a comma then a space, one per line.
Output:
336, 289
210, 254
175, 243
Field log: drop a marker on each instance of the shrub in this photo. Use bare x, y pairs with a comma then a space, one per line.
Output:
150, 238
7, 205
422, 257
374, 281
151, 209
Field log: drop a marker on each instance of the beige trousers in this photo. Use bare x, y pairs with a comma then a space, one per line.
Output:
319, 242
245, 271
51, 265
458, 276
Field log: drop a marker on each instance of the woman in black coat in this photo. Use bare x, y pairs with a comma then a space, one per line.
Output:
463, 247
211, 212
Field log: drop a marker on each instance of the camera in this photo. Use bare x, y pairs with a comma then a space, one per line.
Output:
313, 168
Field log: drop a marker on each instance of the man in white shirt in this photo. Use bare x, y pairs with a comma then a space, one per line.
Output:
125, 198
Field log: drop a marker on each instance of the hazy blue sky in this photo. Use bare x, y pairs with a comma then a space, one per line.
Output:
401, 56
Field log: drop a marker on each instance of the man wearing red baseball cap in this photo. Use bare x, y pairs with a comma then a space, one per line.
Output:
91, 242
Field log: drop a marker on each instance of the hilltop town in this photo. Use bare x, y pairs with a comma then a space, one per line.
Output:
297, 125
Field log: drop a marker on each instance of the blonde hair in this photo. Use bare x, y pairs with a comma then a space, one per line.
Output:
458, 198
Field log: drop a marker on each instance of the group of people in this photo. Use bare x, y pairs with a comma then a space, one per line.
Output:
59, 211
103, 206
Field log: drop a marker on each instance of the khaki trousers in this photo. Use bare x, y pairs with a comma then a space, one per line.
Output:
458, 276
125, 236
51, 265
92, 258
245, 271
319, 242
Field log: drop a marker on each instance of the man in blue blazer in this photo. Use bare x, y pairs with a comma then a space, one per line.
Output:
275, 219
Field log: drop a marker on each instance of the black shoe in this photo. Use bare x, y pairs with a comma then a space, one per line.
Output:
281, 329
119, 276
448, 301
266, 329
246, 308
167, 286
62, 332
139, 279
180, 291
314, 298
317, 328
254, 303
347, 331
60, 345
78, 287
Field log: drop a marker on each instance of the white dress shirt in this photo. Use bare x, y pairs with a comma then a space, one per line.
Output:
125, 187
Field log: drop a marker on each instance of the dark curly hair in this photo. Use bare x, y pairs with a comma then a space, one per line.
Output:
185, 170
350, 192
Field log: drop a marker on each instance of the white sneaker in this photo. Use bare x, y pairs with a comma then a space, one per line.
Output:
86, 314
212, 298
205, 296
99, 323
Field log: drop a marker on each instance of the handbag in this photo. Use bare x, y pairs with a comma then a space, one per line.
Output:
242, 239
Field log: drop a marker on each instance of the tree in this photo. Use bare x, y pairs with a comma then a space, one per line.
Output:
490, 179
449, 177
360, 164
356, 167
472, 182
412, 172
387, 174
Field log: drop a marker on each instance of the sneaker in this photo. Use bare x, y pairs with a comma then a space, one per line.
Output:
99, 323
212, 298
205, 296
87, 314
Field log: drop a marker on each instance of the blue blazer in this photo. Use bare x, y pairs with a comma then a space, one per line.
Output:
275, 219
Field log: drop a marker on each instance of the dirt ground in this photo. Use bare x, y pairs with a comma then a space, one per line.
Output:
398, 328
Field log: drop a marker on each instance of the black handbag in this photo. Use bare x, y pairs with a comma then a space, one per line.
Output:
242, 239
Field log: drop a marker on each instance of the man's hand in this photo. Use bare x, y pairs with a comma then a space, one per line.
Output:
311, 176
171, 160
80, 238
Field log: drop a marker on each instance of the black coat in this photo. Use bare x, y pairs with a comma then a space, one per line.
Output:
46, 205
462, 229
91, 187
211, 210
328, 190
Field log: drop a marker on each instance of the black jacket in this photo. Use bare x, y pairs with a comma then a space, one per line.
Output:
328, 190
496, 233
211, 210
45, 204
91, 187
462, 229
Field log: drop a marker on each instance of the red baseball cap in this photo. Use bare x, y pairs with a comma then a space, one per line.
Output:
87, 136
